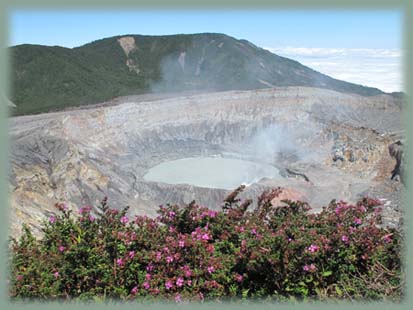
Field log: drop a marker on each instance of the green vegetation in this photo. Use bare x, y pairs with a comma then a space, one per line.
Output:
193, 253
52, 78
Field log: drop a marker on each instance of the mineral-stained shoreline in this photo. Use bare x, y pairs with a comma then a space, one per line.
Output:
329, 145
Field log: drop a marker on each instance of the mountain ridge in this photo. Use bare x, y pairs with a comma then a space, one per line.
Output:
48, 78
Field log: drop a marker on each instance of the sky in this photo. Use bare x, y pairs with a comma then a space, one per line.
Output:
363, 46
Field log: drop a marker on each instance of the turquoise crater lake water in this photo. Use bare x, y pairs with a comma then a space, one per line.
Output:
211, 172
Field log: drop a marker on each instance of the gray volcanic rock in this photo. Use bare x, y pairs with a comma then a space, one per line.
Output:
80, 156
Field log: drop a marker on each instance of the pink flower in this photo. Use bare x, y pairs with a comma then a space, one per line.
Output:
133, 235
119, 261
148, 276
211, 269
149, 267
205, 236
357, 221
179, 282
91, 218
168, 285
189, 282
187, 271
309, 268
61, 248
172, 214
146, 285
85, 209
169, 259
19, 277
313, 248
254, 231
178, 298
181, 243
344, 238
134, 290
158, 256
387, 238
124, 219
56, 274
212, 213
203, 214
52, 219
239, 278
131, 254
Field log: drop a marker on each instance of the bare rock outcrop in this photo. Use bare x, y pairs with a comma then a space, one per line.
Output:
396, 151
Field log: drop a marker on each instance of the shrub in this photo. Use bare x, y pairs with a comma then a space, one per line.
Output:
193, 253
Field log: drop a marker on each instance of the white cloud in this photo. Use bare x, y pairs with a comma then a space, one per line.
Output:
381, 68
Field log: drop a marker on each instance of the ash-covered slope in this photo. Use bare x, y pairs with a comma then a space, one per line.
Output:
48, 78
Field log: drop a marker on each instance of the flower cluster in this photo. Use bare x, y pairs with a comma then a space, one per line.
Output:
192, 253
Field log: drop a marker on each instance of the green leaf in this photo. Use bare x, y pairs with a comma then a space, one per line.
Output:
233, 290
245, 293
338, 291
309, 279
327, 273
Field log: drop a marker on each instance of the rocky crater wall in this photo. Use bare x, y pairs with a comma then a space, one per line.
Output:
326, 144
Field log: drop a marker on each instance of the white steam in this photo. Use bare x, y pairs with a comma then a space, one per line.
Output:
287, 142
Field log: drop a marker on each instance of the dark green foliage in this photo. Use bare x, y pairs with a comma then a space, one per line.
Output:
51, 78
193, 253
